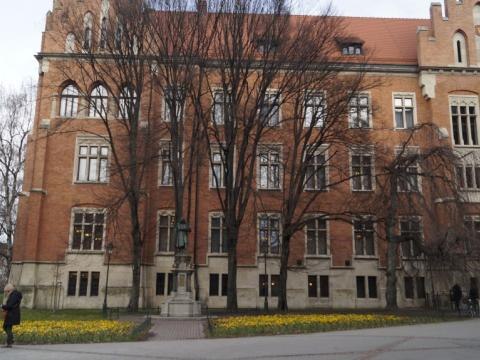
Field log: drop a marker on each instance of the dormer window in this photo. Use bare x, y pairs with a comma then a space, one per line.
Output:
267, 46
351, 46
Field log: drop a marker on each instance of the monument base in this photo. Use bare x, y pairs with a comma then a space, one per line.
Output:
181, 306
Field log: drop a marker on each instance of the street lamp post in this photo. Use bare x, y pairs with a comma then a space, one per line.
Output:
265, 253
109, 249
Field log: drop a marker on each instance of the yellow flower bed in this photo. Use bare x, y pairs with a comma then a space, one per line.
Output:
72, 331
281, 324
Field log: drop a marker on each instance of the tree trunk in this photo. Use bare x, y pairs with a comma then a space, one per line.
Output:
284, 257
232, 304
137, 257
391, 291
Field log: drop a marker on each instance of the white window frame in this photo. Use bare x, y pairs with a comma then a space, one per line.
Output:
468, 101
422, 237
166, 111
278, 96
97, 103
69, 102
91, 142
409, 150
270, 216
362, 152
327, 234
222, 240
212, 179
270, 148
403, 96
322, 150
369, 107
123, 100
227, 101
94, 211
160, 213
374, 233
319, 108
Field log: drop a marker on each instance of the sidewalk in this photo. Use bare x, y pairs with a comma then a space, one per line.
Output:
177, 329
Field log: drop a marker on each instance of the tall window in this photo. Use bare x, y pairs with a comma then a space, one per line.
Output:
359, 111
404, 111
364, 236
217, 168
314, 109
92, 162
264, 284
221, 107
316, 172
72, 283
269, 233
408, 171
87, 31
411, 236
362, 171
94, 283
317, 243
173, 104
118, 37
460, 49
88, 229
98, 102
218, 235
127, 102
166, 232
69, 102
270, 109
269, 168
103, 34
166, 173
464, 120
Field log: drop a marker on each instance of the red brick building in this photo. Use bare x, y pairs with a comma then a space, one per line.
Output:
429, 72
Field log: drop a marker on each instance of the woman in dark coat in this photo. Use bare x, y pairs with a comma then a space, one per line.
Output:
11, 309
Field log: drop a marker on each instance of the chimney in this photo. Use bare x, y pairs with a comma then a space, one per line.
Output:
202, 6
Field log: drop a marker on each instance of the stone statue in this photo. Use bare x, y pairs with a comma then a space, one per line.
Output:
182, 234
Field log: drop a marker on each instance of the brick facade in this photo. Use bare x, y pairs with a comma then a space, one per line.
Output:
415, 57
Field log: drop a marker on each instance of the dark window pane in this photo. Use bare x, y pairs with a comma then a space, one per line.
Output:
215, 240
360, 287
94, 282
98, 238
224, 284
312, 286
82, 291
275, 285
214, 284
372, 287
324, 287
170, 283
160, 284
87, 237
263, 285
420, 287
408, 287
72, 283
77, 237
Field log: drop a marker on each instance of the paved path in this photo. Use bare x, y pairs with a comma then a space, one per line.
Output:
163, 329
448, 341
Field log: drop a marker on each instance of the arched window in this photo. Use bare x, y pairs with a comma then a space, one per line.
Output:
460, 49
70, 43
69, 102
127, 100
103, 34
98, 102
87, 31
118, 37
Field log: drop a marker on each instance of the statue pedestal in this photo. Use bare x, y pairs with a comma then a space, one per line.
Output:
181, 302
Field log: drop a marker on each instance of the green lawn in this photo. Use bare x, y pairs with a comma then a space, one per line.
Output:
61, 315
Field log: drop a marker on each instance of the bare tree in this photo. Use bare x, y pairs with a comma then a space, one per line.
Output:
16, 113
412, 179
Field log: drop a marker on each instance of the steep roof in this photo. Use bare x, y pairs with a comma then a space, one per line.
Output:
392, 41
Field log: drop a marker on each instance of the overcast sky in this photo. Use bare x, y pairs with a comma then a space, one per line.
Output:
22, 23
